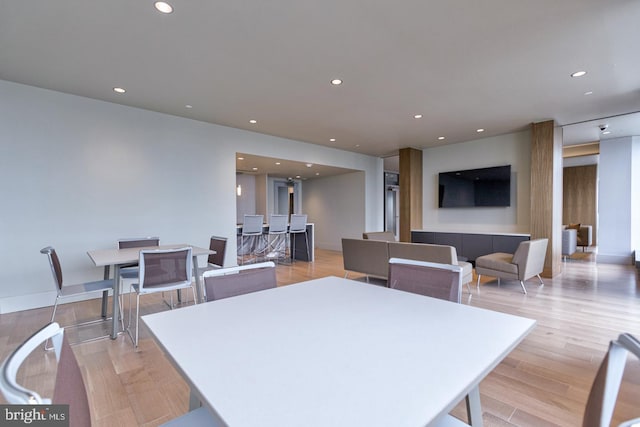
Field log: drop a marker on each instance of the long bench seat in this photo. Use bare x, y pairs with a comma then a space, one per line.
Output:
371, 257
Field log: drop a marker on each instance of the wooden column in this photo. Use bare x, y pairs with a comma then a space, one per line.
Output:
546, 191
410, 192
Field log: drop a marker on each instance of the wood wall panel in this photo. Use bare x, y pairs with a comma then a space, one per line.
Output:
580, 196
546, 191
410, 192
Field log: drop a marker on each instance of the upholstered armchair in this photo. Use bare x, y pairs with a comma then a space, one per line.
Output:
584, 236
526, 262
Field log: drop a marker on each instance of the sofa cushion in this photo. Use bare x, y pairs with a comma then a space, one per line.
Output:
498, 261
440, 254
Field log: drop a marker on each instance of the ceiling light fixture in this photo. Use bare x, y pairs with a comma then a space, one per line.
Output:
163, 7
479, 130
254, 168
188, 106
441, 138
240, 158
578, 74
417, 116
588, 93
119, 89
309, 165
606, 132
278, 163
332, 140
336, 82
253, 122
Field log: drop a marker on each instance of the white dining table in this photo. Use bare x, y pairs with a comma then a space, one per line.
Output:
116, 257
335, 352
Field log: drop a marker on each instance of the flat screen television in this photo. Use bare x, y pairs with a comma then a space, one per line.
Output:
475, 187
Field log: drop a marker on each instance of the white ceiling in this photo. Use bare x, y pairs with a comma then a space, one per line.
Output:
463, 65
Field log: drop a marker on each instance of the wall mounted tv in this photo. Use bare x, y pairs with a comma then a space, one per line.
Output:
475, 187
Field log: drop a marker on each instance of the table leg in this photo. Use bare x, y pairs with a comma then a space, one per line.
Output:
105, 294
474, 409
199, 293
116, 302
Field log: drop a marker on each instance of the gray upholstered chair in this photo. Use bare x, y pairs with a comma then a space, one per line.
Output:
604, 391
569, 242
161, 270
233, 281
443, 281
370, 257
526, 262
69, 388
72, 291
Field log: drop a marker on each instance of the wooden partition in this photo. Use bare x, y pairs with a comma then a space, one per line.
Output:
580, 201
410, 192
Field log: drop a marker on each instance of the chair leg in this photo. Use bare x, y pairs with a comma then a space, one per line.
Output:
478, 283
523, 288
468, 287
53, 315
137, 318
540, 278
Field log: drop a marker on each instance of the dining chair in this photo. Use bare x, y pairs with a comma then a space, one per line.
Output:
443, 281
604, 391
69, 388
297, 226
251, 231
161, 270
276, 244
233, 281
130, 271
73, 291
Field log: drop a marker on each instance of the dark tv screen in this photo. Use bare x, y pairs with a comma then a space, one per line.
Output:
475, 187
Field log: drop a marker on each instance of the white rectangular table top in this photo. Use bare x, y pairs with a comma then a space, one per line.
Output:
334, 352
113, 256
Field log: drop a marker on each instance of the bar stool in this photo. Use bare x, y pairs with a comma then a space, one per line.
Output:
251, 229
298, 225
275, 244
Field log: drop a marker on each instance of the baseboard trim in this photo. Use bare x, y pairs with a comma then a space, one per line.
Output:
614, 259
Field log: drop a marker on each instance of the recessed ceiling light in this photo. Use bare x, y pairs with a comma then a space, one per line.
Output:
441, 138
588, 93
578, 74
254, 168
606, 132
479, 130
357, 145
309, 165
298, 176
332, 140
163, 6
119, 89
317, 173
417, 116
253, 122
188, 106
278, 163
336, 82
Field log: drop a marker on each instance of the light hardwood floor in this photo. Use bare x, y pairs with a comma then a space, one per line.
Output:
543, 382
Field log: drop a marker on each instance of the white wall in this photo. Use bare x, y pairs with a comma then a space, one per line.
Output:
615, 200
512, 149
245, 202
78, 174
335, 205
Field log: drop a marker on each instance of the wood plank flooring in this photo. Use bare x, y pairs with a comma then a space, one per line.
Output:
543, 382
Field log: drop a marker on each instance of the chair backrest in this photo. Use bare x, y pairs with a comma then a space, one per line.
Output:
252, 225
230, 282
54, 263
278, 224
370, 257
443, 281
604, 391
387, 236
298, 223
530, 257
441, 254
138, 242
164, 267
219, 246
69, 387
